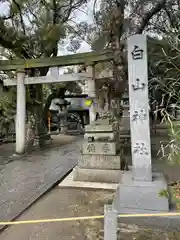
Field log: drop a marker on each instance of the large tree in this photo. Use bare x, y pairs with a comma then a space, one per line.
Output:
115, 20
34, 29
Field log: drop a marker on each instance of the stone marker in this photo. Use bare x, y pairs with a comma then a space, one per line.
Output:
101, 158
139, 189
139, 108
110, 223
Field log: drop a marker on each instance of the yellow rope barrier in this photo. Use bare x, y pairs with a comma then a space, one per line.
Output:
90, 217
52, 220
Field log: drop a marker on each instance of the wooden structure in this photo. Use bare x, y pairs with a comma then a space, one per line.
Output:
20, 65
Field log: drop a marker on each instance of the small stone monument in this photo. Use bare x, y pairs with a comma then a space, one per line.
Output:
101, 159
138, 190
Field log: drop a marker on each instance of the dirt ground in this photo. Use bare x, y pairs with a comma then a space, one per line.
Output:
62, 202
8, 149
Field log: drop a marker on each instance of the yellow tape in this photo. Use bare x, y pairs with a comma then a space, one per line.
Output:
88, 218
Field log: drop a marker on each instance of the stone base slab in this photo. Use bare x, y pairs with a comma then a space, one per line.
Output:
140, 197
96, 175
110, 162
101, 148
68, 182
98, 136
98, 127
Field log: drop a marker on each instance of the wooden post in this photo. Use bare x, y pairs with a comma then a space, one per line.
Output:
92, 94
20, 113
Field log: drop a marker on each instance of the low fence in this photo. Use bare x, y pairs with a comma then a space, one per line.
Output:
110, 220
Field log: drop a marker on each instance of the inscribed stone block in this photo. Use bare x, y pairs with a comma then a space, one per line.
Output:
102, 148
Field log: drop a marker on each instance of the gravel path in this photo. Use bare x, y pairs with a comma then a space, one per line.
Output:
24, 180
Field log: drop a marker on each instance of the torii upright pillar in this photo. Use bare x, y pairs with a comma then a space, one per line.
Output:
20, 112
92, 93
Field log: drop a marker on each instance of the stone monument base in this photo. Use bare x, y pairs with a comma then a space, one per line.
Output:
69, 182
101, 156
140, 196
96, 175
105, 162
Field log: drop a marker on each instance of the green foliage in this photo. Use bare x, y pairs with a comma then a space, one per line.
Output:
36, 27
171, 149
31, 29
46, 92
165, 83
164, 193
114, 21
175, 190
7, 100
7, 109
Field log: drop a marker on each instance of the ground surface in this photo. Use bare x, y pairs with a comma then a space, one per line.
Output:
33, 173
61, 203
23, 180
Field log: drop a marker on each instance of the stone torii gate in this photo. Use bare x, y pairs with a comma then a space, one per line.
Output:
89, 59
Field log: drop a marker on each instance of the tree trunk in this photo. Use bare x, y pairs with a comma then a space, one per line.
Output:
36, 129
41, 129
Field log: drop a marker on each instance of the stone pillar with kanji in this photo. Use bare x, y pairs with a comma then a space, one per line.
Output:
139, 109
139, 188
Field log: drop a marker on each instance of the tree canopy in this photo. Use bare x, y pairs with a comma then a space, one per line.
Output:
32, 29
114, 21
